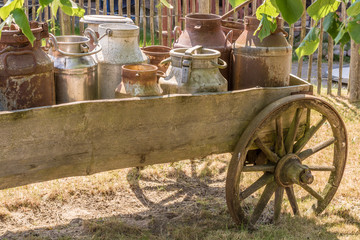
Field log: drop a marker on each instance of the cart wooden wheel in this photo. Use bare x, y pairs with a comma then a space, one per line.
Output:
286, 149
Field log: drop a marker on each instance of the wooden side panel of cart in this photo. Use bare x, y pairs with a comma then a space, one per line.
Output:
88, 137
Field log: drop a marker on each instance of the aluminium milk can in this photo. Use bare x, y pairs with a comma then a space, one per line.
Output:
93, 21
206, 30
120, 47
26, 71
156, 54
139, 80
75, 69
194, 70
264, 64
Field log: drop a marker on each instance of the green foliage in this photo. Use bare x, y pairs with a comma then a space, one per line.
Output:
166, 4
321, 8
9, 7
266, 27
236, 2
354, 9
310, 43
21, 20
267, 8
291, 10
354, 29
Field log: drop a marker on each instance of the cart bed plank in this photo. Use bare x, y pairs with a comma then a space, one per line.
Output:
83, 138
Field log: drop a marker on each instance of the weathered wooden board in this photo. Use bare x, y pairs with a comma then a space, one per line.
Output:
83, 138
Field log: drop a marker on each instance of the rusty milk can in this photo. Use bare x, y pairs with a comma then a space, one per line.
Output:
120, 47
264, 64
75, 69
205, 30
139, 80
156, 54
194, 70
26, 72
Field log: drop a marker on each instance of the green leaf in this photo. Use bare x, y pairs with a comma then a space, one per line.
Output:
354, 9
268, 9
71, 8
321, 8
332, 24
22, 21
54, 7
353, 28
266, 27
166, 4
44, 3
310, 43
235, 3
291, 10
9, 7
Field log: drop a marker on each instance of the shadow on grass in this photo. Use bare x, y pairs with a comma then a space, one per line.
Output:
195, 208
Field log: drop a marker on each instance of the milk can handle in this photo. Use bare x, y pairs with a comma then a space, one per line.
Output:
176, 29
229, 37
160, 74
286, 34
165, 61
190, 51
222, 64
17, 71
53, 41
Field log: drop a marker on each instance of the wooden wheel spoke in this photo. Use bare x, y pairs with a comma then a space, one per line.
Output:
279, 194
290, 137
312, 192
264, 199
279, 144
262, 181
259, 168
299, 145
322, 168
270, 155
292, 199
308, 152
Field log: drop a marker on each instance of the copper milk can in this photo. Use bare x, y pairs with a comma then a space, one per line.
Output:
206, 30
26, 72
139, 80
264, 64
156, 54
194, 70
120, 46
75, 69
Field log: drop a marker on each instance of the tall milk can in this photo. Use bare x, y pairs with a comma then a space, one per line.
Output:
93, 21
120, 47
265, 63
75, 68
26, 71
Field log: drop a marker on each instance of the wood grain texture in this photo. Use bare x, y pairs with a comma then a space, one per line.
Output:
87, 137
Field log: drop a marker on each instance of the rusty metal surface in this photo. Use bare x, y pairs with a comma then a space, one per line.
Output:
156, 54
205, 30
139, 81
26, 72
264, 63
236, 27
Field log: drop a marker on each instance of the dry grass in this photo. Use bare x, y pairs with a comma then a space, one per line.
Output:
183, 200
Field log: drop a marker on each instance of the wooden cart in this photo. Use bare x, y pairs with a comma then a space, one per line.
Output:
267, 129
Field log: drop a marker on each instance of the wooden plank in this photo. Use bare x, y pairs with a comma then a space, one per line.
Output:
204, 6
26, 5
112, 11
169, 25
81, 25
152, 28
128, 8
217, 7
160, 21
144, 22
46, 14
97, 7
137, 12
89, 7
302, 36
319, 57
341, 57
193, 6
354, 79
87, 137
120, 10
33, 10
330, 63
104, 7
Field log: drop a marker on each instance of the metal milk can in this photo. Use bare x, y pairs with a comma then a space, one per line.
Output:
156, 54
194, 70
75, 69
139, 80
256, 63
206, 30
120, 47
93, 21
26, 71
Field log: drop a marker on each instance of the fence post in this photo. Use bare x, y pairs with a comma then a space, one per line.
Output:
354, 79
204, 6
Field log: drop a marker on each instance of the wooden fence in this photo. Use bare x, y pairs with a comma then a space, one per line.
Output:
157, 22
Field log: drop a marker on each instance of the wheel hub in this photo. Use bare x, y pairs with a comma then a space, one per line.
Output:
289, 170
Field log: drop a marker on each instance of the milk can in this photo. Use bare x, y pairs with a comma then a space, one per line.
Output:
139, 80
75, 69
156, 54
120, 47
194, 70
26, 71
93, 21
206, 30
265, 63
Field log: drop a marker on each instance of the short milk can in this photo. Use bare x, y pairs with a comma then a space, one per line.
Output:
75, 68
120, 47
26, 71
139, 80
194, 70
